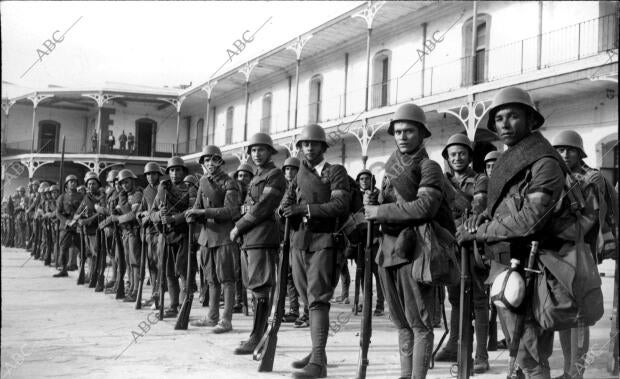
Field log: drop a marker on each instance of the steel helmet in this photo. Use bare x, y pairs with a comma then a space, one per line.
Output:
245, 167
569, 138
261, 139
91, 175
54, 187
458, 139
492, 156
210, 150
508, 289
36, 182
21, 189
191, 179
81, 188
513, 95
43, 186
152, 167
412, 113
175, 162
126, 173
111, 176
312, 132
363, 172
292, 162
70, 177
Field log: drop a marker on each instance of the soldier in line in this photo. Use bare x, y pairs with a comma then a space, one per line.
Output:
260, 234
412, 190
243, 175
114, 239
168, 211
128, 223
216, 208
603, 199
93, 199
489, 162
317, 206
33, 189
531, 171
152, 171
108, 229
290, 169
192, 183
53, 225
34, 204
470, 195
66, 206
20, 217
47, 246
366, 182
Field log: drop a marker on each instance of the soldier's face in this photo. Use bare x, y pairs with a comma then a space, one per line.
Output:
513, 124
92, 186
54, 194
176, 173
313, 150
489, 167
72, 185
290, 173
407, 136
35, 188
244, 177
260, 155
212, 163
127, 184
152, 178
571, 156
365, 182
117, 185
458, 157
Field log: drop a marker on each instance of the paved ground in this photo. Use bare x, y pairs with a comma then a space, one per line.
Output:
53, 328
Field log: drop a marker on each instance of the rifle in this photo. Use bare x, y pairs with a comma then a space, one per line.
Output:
464, 359
162, 275
520, 322
48, 256
60, 175
80, 279
265, 351
358, 278
141, 270
612, 362
366, 327
120, 279
186, 307
100, 235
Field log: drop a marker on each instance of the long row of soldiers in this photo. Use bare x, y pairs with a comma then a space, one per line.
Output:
240, 218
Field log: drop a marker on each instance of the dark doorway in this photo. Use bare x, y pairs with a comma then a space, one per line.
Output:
145, 137
48, 136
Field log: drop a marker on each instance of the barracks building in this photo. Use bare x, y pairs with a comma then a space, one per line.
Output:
348, 75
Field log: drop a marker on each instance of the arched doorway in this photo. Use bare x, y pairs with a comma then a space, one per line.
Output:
48, 136
146, 133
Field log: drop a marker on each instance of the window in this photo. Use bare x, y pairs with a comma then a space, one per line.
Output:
265, 121
48, 136
474, 70
230, 112
199, 134
380, 79
211, 129
314, 106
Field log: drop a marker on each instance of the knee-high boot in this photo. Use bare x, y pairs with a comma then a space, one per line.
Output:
405, 350
319, 329
260, 324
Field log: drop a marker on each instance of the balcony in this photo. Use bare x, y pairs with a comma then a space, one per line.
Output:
75, 146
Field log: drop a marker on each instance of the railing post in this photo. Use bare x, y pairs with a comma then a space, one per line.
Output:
522, 56
430, 84
579, 41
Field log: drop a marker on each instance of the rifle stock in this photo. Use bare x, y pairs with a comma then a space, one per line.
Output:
162, 271
464, 359
366, 327
120, 281
80, 279
186, 307
358, 278
265, 351
141, 270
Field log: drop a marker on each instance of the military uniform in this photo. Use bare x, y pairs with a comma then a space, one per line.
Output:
90, 225
218, 195
151, 237
114, 242
130, 234
66, 206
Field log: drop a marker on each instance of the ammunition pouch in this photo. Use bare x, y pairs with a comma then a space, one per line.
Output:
392, 229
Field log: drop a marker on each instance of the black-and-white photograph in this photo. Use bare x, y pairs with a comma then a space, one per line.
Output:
310, 189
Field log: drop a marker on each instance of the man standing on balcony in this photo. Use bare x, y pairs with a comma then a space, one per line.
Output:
122, 141
412, 191
260, 233
152, 171
111, 141
217, 207
317, 205
66, 206
168, 210
470, 195
130, 142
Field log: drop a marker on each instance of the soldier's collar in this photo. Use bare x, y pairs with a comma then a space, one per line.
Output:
267, 166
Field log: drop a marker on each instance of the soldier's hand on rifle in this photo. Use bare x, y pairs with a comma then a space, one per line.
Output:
463, 235
166, 219
192, 214
234, 234
294, 210
472, 223
112, 219
371, 197
371, 211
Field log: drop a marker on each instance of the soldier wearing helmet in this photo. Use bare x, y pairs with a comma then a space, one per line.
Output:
244, 175
489, 162
316, 206
216, 208
412, 190
531, 175
290, 169
88, 220
37, 209
470, 190
129, 202
153, 173
260, 232
66, 207
168, 212
602, 238
20, 217
33, 189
